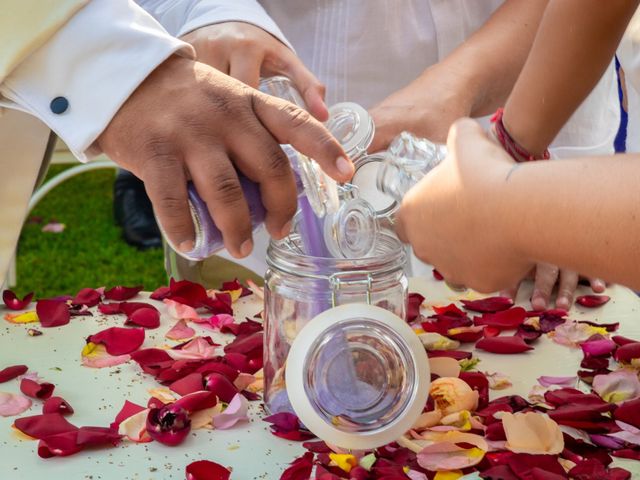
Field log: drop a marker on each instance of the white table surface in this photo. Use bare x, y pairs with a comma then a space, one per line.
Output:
249, 449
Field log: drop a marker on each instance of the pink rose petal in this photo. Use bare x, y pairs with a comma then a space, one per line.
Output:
617, 386
548, 381
599, 347
220, 320
180, 331
12, 302
235, 412
196, 349
96, 356
12, 404
181, 311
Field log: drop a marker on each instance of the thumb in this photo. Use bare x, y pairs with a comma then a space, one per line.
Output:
311, 89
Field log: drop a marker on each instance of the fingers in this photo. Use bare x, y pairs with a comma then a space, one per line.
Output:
546, 276
217, 184
166, 184
261, 159
510, 292
566, 289
246, 68
307, 84
597, 285
292, 125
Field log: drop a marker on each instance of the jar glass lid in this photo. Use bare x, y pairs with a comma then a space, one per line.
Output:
352, 126
357, 376
365, 178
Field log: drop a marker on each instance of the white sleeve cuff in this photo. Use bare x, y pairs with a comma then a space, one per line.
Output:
182, 17
93, 64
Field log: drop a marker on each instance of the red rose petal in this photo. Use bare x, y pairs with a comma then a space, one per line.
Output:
12, 302
452, 309
564, 396
87, 296
144, 317
536, 467
499, 472
206, 470
120, 293
52, 313
57, 405
609, 327
414, 302
42, 426
36, 390
129, 308
160, 293
109, 308
478, 382
236, 285
168, 425
218, 305
59, 445
221, 386
196, 401
286, 425
503, 345
629, 412
627, 353
465, 334
246, 345
129, 409
437, 275
12, 372
488, 305
526, 332
455, 354
119, 341
186, 292
300, 468
620, 340
189, 384
97, 436
592, 301
504, 320
245, 328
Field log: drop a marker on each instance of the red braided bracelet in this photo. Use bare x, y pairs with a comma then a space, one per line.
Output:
518, 153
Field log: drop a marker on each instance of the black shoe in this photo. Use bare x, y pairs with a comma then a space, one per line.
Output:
133, 212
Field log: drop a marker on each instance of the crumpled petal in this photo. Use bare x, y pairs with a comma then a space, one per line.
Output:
220, 320
592, 301
446, 453
57, 405
498, 381
42, 426
235, 412
36, 390
503, 345
206, 470
444, 367
12, 302
12, 404
504, 320
121, 293
9, 373
94, 355
144, 317
452, 395
599, 347
180, 331
488, 305
414, 301
573, 333
52, 313
286, 425
617, 386
134, 427
300, 468
181, 311
169, 425
196, 349
88, 297
532, 432
118, 340
548, 381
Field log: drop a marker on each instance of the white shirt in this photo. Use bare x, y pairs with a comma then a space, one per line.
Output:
363, 50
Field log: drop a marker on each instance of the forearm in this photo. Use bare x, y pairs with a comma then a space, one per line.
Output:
582, 214
489, 62
575, 43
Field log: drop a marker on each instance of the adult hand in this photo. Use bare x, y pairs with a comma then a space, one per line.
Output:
426, 107
189, 121
247, 52
449, 217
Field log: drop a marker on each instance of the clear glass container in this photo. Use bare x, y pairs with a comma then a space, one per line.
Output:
358, 370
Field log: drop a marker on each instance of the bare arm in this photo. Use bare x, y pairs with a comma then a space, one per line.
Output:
575, 43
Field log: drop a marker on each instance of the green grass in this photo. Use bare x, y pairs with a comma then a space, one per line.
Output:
90, 252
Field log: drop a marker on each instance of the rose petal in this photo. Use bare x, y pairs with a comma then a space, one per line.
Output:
57, 405
181, 311
629, 412
547, 381
446, 453
466, 334
129, 308
144, 317
109, 308
617, 386
504, 320
160, 293
621, 341
598, 347
12, 372
592, 301
12, 302
444, 367
52, 313
414, 301
532, 432
97, 436
42, 426
128, 410
121, 293
95, 355
196, 401
221, 386
235, 412
180, 331
187, 292
119, 341
12, 404
628, 353
455, 354
168, 425
300, 468
286, 425
206, 470
220, 320
503, 345
27, 317
189, 384
87, 296
488, 305
36, 390
134, 427
452, 395
196, 349
59, 445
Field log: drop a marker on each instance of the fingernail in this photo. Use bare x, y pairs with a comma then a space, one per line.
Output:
286, 229
538, 303
563, 303
186, 246
345, 167
246, 247
599, 285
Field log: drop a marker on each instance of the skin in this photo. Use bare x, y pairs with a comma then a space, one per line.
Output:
484, 243
189, 121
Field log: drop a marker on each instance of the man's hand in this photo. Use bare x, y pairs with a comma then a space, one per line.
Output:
449, 217
426, 107
247, 52
189, 121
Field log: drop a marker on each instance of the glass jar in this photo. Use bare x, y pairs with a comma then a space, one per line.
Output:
356, 371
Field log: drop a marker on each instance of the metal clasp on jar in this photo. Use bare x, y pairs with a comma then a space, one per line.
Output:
339, 280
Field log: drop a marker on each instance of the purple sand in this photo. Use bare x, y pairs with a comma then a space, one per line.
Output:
311, 231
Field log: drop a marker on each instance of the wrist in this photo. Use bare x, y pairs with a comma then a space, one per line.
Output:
514, 148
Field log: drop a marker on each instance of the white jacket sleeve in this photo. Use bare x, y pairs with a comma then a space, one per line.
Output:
180, 17
79, 79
